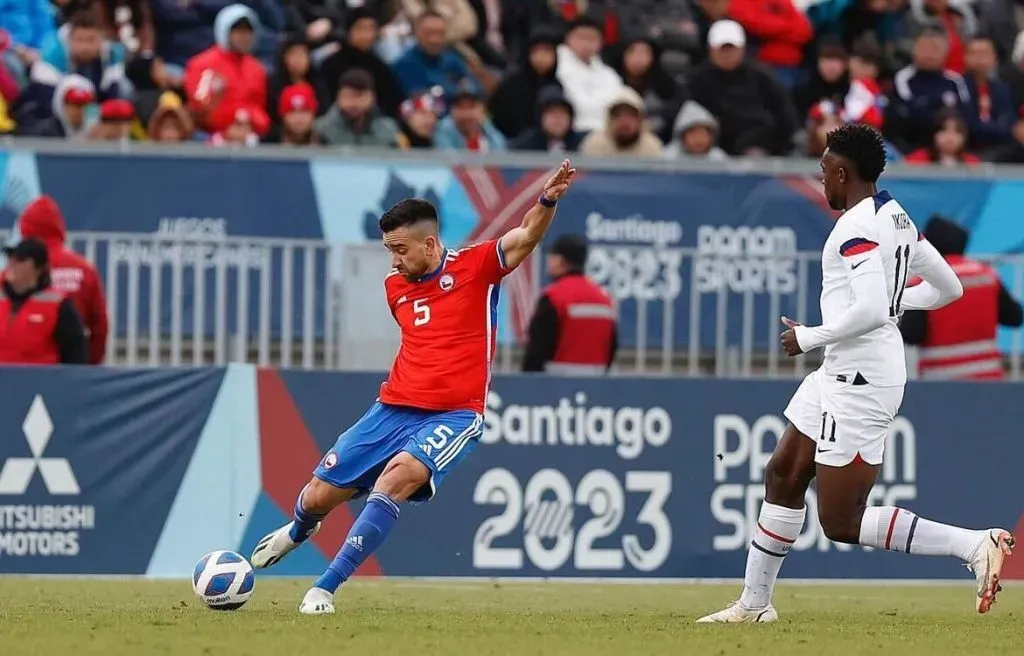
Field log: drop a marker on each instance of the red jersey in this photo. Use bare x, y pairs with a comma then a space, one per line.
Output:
448, 321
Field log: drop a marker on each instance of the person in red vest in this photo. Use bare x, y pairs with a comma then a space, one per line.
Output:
958, 342
70, 273
573, 330
38, 325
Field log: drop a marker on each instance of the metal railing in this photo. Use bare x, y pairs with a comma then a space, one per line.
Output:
202, 301
295, 303
700, 314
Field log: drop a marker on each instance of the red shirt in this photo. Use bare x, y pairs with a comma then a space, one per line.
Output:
225, 82
924, 156
27, 336
955, 56
448, 321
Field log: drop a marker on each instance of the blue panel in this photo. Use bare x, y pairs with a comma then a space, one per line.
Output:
126, 436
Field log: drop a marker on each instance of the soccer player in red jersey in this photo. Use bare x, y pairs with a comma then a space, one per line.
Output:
429, 415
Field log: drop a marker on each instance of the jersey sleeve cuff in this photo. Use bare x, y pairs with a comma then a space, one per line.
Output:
805, 338
501, 255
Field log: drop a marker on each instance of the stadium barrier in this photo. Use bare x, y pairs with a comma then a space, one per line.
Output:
280, 302
699, 255
141, 471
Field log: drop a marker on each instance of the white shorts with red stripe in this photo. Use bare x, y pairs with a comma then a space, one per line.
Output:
846, 416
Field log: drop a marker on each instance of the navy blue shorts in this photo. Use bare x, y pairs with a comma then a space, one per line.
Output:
440, 440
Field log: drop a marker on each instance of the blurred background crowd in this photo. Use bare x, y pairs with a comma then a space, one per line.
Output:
943, 79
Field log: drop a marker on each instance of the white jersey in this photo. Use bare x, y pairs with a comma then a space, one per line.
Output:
878, 222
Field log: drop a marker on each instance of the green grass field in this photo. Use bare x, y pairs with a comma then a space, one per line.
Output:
113, 617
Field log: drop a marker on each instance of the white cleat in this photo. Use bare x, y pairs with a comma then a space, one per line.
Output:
272, 547
317, 602
736, 614
987, 565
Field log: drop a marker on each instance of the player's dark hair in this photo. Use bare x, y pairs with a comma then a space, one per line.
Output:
406, 213
862, 145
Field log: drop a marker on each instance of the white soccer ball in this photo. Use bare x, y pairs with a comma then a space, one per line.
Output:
223, 580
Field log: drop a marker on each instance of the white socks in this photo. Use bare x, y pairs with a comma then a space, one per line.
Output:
896, 529
885, 527
776, 531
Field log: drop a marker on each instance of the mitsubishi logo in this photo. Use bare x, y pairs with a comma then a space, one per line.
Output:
17, 472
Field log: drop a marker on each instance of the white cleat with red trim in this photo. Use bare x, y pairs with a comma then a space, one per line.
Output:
734, 613
987, 565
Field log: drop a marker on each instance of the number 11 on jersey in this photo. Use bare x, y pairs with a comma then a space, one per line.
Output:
900, 279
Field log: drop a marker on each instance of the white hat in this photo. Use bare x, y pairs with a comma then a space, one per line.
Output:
726, 33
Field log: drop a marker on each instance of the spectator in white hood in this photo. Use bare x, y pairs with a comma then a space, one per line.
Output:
694, 135
590, 85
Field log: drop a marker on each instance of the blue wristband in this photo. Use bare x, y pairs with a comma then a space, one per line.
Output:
545, 202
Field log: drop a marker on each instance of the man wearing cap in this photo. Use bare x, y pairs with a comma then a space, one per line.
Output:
467, 126
38, 325
297, 108
115, 124
754, 112
573, 330
354, 119
419, 118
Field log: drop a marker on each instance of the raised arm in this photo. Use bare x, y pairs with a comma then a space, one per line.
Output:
517, 244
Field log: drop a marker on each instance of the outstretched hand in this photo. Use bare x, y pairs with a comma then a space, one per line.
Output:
559, 183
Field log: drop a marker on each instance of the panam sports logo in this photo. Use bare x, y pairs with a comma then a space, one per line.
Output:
40, 529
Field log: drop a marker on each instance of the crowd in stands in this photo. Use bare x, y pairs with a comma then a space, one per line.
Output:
943, 79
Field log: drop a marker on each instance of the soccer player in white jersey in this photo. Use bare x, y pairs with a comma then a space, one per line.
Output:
841, 413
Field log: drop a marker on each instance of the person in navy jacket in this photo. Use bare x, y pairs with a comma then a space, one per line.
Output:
431, 63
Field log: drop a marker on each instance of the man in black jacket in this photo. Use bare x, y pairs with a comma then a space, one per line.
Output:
754, 112
553, 129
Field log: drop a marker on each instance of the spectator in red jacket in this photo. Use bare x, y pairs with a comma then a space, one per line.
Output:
226, 78
779, 31
70, 273
38, 325
949, 143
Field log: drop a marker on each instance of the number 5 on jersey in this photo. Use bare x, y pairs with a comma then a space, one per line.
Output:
422, 311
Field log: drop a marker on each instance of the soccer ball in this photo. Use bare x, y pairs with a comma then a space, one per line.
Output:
223, 580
